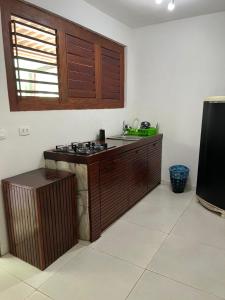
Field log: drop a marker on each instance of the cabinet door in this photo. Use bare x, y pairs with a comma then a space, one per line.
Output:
138, 174
154, 164
113, 190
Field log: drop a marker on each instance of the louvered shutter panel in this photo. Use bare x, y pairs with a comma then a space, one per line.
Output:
80, 67
111, 74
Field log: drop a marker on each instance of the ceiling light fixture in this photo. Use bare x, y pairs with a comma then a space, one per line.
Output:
171, 5
158, 1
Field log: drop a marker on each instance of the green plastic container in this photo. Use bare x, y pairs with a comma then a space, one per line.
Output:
142, 132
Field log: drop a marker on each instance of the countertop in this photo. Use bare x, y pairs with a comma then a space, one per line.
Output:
116, 147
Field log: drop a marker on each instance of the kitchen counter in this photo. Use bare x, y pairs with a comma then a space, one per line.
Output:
116, 147
111, 181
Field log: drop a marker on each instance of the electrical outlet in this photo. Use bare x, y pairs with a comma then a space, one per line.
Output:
24, 130
3, 134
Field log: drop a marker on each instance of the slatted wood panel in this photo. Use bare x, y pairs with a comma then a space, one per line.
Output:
94, 201
111, 74
41, 219
58, 218
22, 223
138, 174
81, 67
154, 164
114, 196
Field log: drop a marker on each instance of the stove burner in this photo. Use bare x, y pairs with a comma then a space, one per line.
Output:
87, 148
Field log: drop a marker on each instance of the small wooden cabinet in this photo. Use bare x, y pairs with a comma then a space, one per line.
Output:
41, 215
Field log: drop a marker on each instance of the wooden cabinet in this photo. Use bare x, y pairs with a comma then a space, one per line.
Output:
117, 178
126, 179
113, 189
154, 159
138, 174
41, 215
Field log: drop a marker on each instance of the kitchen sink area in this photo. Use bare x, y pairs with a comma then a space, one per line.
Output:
126, 137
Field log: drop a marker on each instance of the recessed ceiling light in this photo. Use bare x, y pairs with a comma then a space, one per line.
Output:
158, 1
171, 5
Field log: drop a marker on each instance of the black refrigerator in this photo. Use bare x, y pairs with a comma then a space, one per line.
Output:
211, 168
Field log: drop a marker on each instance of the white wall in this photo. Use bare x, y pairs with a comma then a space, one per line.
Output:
179, 64
171, 68
21, 154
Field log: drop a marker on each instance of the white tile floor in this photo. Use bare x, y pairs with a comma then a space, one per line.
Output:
167, 247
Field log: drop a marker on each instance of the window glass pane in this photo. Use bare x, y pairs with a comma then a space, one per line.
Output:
26, 94
36, 76
36, 87
35, 58
30, 65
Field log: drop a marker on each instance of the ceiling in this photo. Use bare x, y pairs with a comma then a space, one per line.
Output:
138, 13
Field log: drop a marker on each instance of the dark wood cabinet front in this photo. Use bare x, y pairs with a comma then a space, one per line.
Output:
117, 178
41, 215
154, 164
113, 189
126, 179
138, 174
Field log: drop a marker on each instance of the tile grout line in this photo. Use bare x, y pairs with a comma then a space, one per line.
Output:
27, 298
57, 270
118, 258
168, 234
143, 226
194, 240
185, 284
54, 272
136, 283
186, 208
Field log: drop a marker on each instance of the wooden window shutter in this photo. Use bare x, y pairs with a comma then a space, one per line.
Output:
112, 77
80, 67
53, 63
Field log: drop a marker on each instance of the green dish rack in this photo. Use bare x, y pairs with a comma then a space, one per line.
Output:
142, 132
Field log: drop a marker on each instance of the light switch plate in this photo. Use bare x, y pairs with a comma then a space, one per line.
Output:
24, 130
3, 134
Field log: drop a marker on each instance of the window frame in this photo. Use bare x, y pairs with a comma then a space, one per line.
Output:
62, 27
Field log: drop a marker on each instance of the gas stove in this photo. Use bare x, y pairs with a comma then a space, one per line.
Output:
87, 148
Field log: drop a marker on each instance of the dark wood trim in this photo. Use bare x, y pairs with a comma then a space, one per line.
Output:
41, 213
63, 27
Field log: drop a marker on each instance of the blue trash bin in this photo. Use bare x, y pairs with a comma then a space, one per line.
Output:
178, 177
